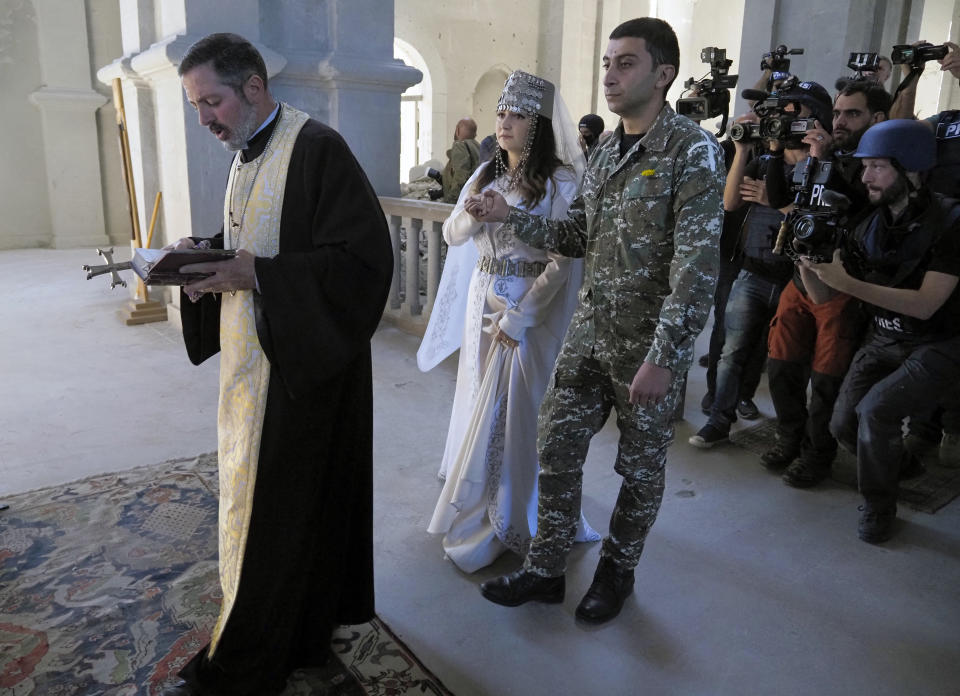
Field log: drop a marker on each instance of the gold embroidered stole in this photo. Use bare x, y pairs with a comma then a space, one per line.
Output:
255, 197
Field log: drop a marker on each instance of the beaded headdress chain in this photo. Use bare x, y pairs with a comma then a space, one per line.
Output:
531, 96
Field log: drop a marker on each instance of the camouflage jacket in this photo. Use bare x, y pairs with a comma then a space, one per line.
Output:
648, 225
462, 158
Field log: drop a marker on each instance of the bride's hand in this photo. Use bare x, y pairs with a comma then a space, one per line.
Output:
473, 205
503, 338
493, 207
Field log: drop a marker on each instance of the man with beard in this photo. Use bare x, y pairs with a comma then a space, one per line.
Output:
813, 343
291, 316
903, 261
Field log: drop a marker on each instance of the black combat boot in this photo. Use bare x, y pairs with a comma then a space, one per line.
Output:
522, 586
604, 600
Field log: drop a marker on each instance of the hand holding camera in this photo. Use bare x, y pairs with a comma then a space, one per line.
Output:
915, 55
951, 62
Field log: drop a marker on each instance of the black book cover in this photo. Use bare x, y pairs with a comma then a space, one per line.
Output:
162, 266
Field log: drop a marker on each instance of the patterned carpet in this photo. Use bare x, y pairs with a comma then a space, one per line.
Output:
109, 585
927, 493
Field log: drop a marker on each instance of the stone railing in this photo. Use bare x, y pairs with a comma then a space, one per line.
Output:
416, 265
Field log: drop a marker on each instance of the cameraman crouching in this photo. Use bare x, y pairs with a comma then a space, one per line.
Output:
905, 258
812, 342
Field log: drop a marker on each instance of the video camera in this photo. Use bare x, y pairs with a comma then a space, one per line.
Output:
776, 62
712, 92
435, 194
916, 56
818, 222
776, 123
863, 64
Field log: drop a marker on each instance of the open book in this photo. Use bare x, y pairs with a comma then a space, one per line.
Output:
162, 266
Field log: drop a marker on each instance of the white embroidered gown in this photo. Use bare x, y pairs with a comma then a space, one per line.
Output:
489, 499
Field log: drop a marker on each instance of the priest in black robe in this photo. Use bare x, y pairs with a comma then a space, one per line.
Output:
292, 316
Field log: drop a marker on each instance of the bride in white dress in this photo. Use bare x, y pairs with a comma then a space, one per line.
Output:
507, 306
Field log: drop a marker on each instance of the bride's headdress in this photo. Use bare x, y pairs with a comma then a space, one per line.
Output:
533, 97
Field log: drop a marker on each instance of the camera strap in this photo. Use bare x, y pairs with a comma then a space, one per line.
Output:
912, 76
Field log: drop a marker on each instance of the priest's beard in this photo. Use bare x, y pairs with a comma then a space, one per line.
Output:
244, 130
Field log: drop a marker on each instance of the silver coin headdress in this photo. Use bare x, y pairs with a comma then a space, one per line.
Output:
531, 96
527, 94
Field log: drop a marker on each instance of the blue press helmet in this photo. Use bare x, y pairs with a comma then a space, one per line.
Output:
911, 143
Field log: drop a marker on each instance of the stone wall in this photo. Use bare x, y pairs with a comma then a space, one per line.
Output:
60, 177
23, 175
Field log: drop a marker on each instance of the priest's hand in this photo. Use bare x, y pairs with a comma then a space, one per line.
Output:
235, 274
650, 385
182, 243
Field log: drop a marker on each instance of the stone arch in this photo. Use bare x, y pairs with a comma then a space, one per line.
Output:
416, 111
485, 97
435, 136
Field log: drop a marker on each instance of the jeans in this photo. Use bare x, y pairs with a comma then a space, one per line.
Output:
752, 304
889, 380
750, 379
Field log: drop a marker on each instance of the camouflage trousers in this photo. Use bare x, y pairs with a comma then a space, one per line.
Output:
575, 408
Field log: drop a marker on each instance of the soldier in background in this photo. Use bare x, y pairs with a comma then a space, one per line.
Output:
463, 158
647, 221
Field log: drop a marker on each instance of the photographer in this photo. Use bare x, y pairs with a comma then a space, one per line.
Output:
907, 92
731, 261
904, 261
707, 98
756, 291
925, 428
811, 343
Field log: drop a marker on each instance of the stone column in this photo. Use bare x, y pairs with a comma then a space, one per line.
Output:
331, 58
341, 70
568, 52
939, 90
67, 105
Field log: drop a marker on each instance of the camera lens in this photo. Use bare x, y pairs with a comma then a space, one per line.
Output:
772, 127
804, 227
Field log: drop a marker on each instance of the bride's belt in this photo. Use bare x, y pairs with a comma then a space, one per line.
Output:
510, 267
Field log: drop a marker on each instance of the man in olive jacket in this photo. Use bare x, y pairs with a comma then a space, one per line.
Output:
462, 158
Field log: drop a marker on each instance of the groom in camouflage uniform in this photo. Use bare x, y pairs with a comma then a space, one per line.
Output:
647, 221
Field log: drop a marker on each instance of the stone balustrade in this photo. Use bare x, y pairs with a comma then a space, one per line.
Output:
416, 266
